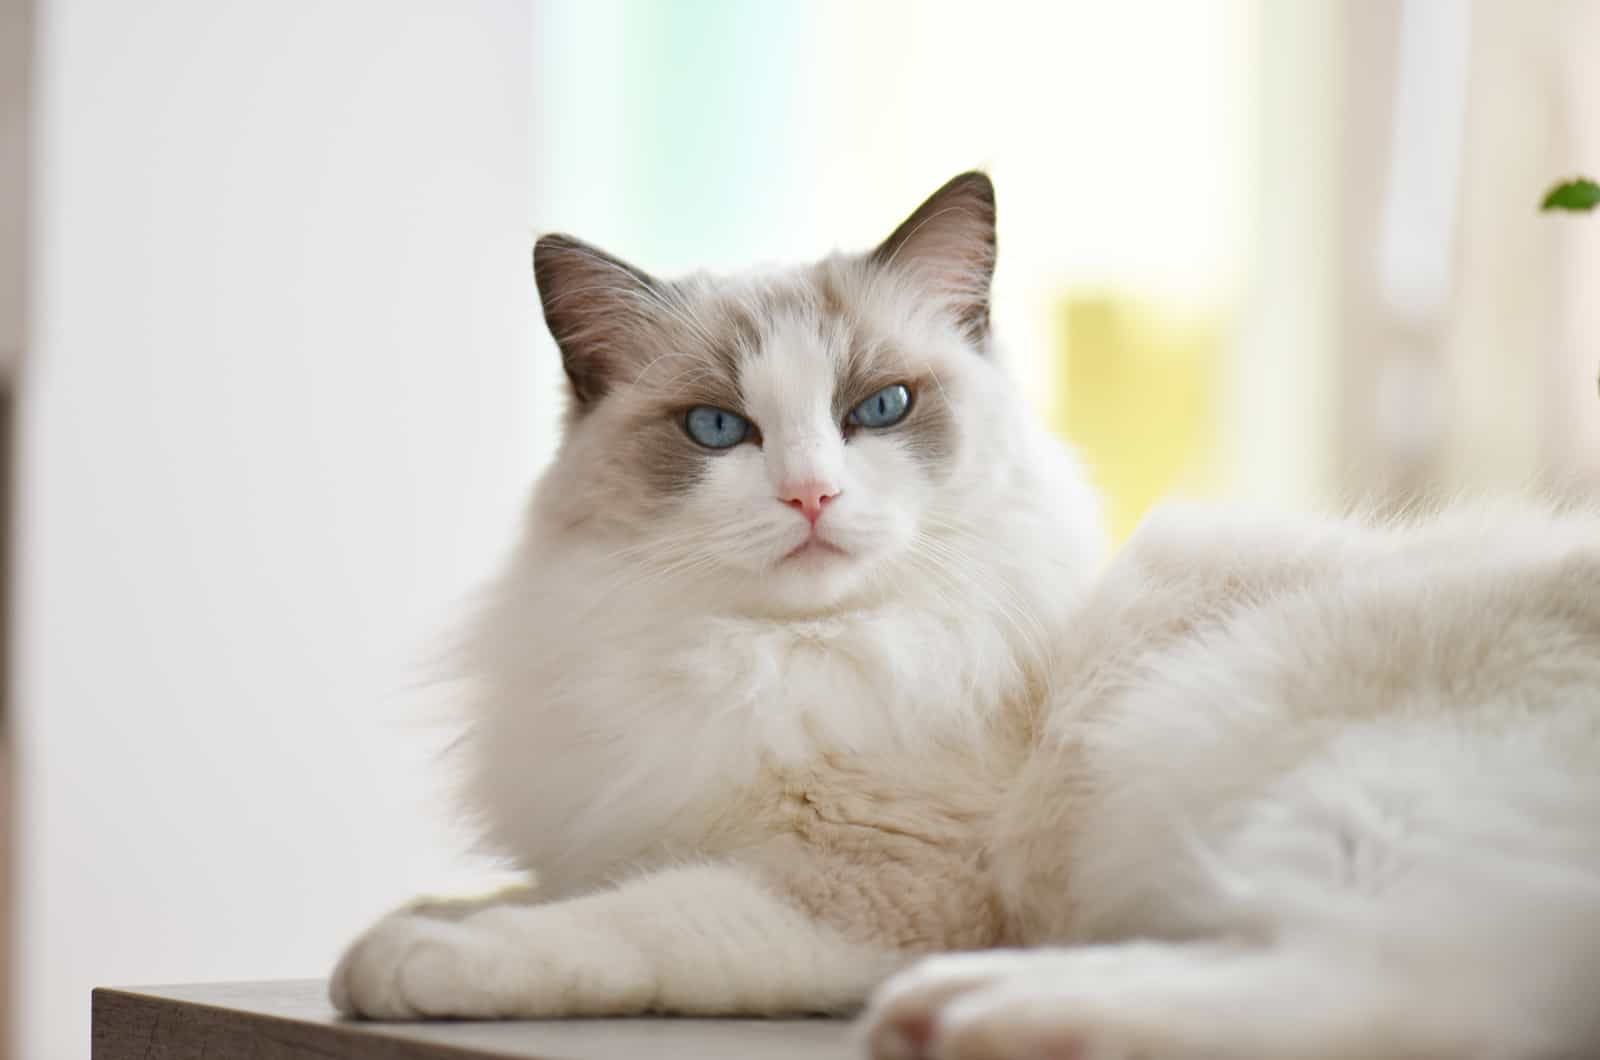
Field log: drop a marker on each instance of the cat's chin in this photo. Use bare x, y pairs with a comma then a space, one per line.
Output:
814, 578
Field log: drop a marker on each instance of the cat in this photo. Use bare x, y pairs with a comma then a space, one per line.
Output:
773, 642
810, 666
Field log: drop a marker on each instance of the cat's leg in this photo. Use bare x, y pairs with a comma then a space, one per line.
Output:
1383, 934
715, 938
1404, 906
1161, 1001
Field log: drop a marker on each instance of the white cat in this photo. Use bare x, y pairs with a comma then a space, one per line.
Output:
803, 670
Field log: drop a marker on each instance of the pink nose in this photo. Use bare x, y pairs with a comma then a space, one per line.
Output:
808, 498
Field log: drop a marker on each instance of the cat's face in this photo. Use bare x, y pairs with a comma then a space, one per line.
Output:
790, 439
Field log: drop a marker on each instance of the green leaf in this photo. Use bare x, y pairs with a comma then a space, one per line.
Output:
1579, 194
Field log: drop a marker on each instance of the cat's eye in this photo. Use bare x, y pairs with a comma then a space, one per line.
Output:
716, 428
884, 409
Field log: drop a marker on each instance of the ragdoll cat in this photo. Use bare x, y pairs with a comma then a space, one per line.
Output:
804, 669
772, 646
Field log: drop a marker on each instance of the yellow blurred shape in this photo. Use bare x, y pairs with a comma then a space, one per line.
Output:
1140, 385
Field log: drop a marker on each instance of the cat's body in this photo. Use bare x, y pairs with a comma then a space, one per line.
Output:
778, 697
1341, 778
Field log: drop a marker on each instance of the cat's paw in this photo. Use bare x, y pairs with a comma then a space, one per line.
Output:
411, 966
1094, 1004
903, 1014
414, 966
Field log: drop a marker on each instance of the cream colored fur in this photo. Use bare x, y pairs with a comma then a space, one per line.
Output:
1280, 788
1342, 780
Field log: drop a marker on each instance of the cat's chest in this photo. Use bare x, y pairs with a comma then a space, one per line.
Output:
606, 757
860, 682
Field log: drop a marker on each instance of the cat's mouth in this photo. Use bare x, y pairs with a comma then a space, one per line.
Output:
813, 548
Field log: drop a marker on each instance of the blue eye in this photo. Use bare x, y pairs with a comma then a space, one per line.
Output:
884, 409
716, 428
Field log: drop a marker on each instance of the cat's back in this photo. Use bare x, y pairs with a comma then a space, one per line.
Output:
1333, 671
1266, 632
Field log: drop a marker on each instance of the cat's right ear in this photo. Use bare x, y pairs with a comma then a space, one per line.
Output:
948, 243
594, 305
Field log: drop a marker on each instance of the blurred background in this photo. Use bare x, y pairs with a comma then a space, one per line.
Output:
280, 384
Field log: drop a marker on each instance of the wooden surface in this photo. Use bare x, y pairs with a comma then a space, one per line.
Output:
292, 1020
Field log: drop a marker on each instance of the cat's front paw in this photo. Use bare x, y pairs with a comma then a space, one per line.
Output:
413, 966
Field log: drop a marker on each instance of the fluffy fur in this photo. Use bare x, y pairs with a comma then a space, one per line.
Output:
1320, 789
1285, 789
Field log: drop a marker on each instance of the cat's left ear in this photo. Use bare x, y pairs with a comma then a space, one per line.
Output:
596, 307
949, 245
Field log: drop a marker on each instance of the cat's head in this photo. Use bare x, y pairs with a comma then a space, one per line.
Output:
792, 438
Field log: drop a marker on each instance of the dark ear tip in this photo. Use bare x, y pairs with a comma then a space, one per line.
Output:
557, 254
973, 186
974, 182
553, 243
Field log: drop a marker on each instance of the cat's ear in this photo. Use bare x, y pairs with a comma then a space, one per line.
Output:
949, 245
594, 306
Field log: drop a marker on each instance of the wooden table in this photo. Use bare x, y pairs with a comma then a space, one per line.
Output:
292, 1020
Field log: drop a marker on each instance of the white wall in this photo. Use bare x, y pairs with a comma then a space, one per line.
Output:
284, 395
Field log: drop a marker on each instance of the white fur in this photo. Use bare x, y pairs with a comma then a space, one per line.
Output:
1353, 774
675, 940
